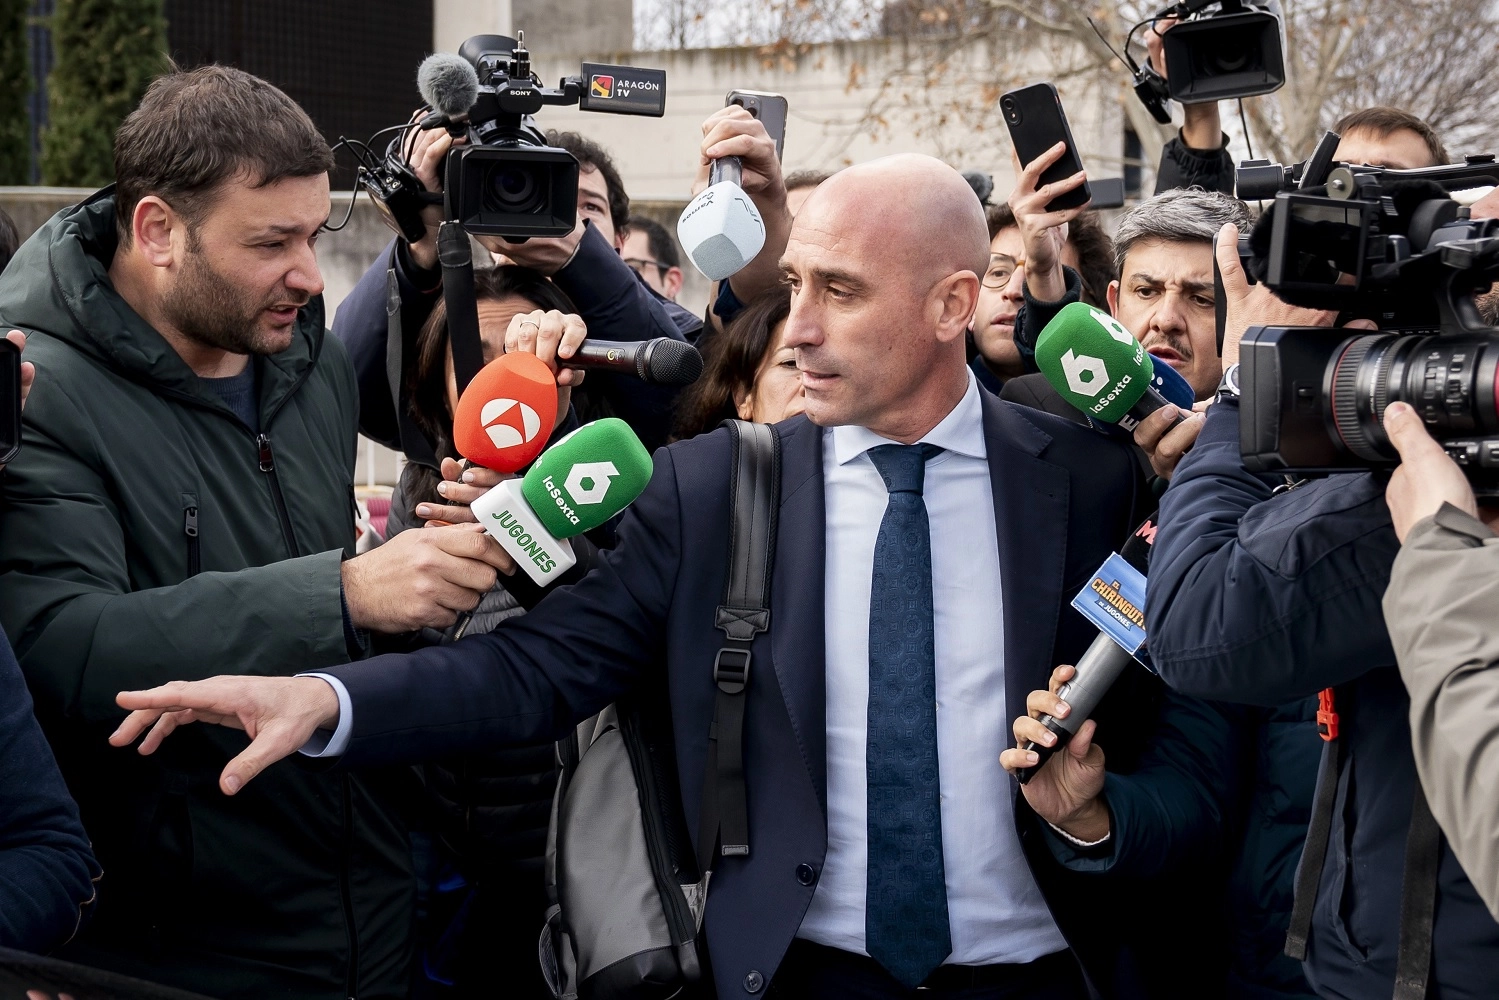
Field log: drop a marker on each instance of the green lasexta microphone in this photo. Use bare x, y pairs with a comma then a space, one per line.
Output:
576, 485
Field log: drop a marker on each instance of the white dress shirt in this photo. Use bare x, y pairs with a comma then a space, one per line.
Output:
995, 910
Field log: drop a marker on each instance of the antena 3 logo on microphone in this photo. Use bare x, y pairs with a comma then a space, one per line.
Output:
506, 413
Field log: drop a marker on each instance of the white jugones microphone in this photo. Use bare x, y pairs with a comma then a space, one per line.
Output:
721, 229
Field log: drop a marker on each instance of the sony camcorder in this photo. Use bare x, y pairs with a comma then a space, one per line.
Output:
506, 180
1394, 247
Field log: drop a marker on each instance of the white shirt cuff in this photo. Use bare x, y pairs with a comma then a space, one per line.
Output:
1060, 832
324, 743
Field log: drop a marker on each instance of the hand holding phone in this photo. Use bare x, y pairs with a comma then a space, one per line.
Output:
1037, 123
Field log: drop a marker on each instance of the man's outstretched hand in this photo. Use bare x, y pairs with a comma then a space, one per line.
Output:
280, 714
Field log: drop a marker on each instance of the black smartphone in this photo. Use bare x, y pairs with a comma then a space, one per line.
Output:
10, 400
1036, 121
769, 108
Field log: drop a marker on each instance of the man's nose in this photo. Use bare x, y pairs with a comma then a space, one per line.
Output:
803, 328
305, 276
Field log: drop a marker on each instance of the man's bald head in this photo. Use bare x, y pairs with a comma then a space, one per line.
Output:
914, 208
884, 263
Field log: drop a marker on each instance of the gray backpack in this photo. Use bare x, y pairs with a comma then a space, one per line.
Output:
626, 890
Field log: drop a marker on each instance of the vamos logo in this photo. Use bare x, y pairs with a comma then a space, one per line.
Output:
509, 422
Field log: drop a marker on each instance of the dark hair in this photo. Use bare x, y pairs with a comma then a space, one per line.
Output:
426, 381
591, 154
1095, 251
663, 246
10, 238
806, 178
196, 129
730, 363
1385, 121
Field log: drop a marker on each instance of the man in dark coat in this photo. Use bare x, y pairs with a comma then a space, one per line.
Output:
183, 505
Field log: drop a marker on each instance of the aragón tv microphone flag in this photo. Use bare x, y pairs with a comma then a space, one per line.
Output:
507, 413
579, 483
1098, 366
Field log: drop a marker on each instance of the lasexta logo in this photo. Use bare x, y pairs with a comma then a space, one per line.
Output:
588, 482
1086, 375
509, 422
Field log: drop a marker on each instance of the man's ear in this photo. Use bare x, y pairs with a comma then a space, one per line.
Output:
1113, 298
673, 282
153, 225
956, 298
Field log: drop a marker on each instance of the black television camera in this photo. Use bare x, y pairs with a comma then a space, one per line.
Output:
506, 180
1391, 246
1232, 52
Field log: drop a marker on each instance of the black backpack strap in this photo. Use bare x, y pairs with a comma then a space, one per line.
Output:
745, 612
1314, 855
1418, 901
414, 443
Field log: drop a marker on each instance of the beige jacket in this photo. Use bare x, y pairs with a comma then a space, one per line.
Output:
1442, 609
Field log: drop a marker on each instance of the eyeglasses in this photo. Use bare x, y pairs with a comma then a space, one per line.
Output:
639, 264
1001, 270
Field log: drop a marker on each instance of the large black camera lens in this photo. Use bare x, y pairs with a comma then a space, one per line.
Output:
515, 187
1450, 381
1224, 56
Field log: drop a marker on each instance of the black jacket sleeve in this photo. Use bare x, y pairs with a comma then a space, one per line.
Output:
361, 324
47, 869
1035, 314
1246, 586
1184, 167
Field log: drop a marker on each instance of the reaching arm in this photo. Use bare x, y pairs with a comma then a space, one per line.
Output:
1243, 581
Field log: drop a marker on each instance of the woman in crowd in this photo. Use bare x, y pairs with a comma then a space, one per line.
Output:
748, 371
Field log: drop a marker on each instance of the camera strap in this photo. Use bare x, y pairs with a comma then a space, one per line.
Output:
414, 443
457, 257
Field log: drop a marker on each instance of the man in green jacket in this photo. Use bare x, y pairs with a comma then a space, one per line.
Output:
183, 507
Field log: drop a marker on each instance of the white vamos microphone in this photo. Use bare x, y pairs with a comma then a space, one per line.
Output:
721, 229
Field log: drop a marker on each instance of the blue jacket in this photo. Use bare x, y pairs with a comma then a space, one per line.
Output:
47, 868
613, 301
1063, 498
1263, 599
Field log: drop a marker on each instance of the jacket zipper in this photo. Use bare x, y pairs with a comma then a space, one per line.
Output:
194, 547
351, 976
268, 466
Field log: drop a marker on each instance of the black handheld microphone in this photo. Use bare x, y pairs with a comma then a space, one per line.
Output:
1098, 668
662, 361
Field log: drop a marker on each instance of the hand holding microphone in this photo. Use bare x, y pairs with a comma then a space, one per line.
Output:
1095, 363
722, 229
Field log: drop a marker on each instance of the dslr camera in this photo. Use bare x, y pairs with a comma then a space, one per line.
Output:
1390, 246
1232, 52
506, 180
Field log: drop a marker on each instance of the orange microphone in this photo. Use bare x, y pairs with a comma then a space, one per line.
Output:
507, 413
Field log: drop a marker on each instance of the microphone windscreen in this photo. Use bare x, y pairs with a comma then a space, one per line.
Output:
507, 412
586, 478
1169, 383
447, 83
1093, 362
721, 230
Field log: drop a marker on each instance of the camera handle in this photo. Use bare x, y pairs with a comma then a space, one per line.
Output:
457, 257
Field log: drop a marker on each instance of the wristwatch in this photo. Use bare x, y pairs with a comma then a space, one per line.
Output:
1228, 388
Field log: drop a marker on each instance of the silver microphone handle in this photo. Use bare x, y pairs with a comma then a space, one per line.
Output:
726, 168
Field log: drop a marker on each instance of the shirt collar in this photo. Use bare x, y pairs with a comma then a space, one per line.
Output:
961, 431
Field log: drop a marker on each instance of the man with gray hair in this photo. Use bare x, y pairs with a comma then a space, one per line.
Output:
1162, 292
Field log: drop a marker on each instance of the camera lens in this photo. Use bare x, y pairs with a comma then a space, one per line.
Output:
1012, 113
1450, 381
516, 188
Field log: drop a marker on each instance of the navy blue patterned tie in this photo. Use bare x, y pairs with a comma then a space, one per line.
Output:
905, 914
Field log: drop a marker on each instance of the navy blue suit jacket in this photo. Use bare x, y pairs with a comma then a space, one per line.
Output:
1064, 497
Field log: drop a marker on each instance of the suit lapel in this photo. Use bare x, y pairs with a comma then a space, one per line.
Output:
797, 598
1031, 517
